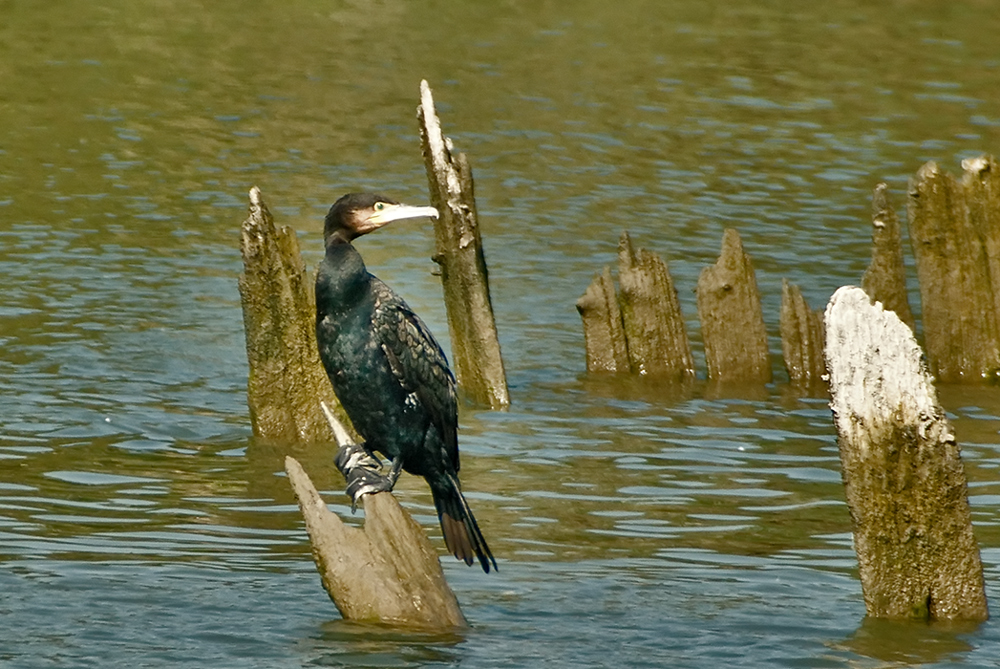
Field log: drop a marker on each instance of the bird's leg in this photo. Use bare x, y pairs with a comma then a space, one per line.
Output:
350, 456
394, 471
362, 470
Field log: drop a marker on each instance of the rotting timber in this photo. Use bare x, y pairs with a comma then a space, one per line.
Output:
885, 278
475, 346
801, 339
902, 469
954, 227
640, 328
954, 230
603, 331
388, 572
286, 380
732, 322
651, 315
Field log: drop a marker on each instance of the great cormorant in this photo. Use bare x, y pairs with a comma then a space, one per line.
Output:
389, 372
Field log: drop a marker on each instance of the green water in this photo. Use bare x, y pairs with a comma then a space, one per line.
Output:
140, 523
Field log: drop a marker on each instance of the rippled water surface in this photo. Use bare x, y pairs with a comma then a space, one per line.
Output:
142, 525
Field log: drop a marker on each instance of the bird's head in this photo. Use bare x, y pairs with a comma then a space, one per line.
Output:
358, 214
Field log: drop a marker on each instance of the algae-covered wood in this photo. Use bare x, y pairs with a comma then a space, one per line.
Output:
651, 314
902, 469
885, 278
732, 323
459, 252
286, 379
959, 318
801, 338
603, 333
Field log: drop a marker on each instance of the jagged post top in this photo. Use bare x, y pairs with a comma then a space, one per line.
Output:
458, 250
436, 141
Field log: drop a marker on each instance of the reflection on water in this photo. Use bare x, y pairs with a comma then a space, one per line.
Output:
140, 523
910, 642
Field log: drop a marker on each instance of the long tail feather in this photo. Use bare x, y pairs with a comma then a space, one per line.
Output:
461, 532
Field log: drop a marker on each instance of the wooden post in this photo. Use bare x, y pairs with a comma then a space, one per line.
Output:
981, 183
459, 251
959, 309
387, 572
732, 323
602, 326
902, 469
801, 338
287, 380
651, 313
885, 278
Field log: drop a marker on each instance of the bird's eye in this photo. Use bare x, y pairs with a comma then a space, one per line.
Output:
379, 206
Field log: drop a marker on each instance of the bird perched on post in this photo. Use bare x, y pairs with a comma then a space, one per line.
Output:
389, 372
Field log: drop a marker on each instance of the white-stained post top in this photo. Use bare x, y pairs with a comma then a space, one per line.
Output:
877, 373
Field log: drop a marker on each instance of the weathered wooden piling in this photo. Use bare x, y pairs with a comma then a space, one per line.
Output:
902, 469
885, 278
603, 331
459, 252
960, 318
981, 183
732, 323
387, 572
801, 338
656, 337
287, 380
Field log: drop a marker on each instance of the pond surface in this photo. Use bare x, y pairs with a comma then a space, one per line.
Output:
142, 525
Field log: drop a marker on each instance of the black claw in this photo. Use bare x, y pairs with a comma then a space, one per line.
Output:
363, 481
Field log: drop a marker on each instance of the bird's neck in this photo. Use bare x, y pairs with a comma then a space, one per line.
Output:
343, 277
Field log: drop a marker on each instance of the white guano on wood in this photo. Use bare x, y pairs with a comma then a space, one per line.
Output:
877, 374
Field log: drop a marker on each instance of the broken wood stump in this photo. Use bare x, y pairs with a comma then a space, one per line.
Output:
286, 378
387, 572
801, 339
949, 221
902, 469
657, 341
639, 328
732, 322
459, 252
603, 331
885, 278
981, 183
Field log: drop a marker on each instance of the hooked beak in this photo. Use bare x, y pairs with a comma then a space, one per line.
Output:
396, 212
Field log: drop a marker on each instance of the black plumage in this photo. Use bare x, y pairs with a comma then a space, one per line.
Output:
389, 372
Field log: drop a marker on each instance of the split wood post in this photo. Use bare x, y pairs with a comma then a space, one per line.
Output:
286, 380
732, 323
885, 278
801, 338
602, 326
902, 469
959, 308
981, 183
651, 313
387, 572
459, 252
